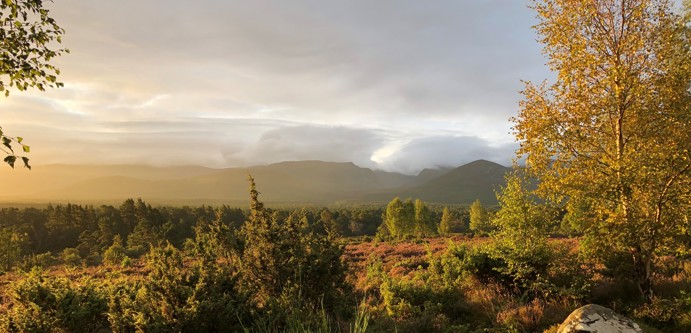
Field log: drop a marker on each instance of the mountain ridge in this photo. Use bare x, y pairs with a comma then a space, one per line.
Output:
298, 182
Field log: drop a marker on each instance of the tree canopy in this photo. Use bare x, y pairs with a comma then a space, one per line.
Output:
614, 130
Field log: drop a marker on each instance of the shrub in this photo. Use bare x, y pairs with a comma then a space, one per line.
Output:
115, 253
41, 260
669, 315
460, 262
70, 256
291, 266
418, 306
178, 298
47, 304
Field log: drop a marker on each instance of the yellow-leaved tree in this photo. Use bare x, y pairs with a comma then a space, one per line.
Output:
28, 37
614, 130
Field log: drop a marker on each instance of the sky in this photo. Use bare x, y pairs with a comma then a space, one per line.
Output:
392, 85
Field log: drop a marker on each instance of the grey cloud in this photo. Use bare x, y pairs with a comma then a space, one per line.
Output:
308, 142
448, 151
254, 82
393, 57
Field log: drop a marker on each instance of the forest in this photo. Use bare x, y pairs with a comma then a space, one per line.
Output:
595, 210
408, 267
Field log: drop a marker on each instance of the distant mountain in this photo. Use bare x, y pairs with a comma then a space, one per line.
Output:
394, 180
44, 179
303, 182
427, 175
463, 185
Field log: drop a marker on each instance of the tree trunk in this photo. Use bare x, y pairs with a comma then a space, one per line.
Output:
642, 264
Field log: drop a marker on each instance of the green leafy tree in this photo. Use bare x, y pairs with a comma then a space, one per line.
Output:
394, 218
479, 218
28, 35
407, 218
424, 224
403, 218
614, 130
521, 236
444, 227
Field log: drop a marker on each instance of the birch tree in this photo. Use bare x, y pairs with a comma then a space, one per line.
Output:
614, 130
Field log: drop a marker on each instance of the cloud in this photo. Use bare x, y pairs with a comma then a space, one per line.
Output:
398, 85
308, 142
313, 59
445, 151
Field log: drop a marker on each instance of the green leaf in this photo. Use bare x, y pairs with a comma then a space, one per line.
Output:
26, 162
26, 148
10, 160
7, 142
20, 139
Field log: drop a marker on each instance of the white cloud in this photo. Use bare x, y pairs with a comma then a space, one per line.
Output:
445, 151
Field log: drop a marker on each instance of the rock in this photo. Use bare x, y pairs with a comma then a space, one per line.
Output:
594, 318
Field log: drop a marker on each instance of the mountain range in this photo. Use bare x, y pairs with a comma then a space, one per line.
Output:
298, 182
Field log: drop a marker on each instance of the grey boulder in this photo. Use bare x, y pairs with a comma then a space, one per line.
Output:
594, 318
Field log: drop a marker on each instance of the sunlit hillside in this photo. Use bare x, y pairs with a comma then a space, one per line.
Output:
305, 182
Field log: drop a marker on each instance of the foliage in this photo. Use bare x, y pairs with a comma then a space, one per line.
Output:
424, 224
11, 243
421, 307
27, 37
47, 304
409, 218
289, 265
521, 237
70, 256
479, 219
670, 315
460, 262
614, 130
28, 34
399, 217
445, 224
8, 141
176, 298
115, 254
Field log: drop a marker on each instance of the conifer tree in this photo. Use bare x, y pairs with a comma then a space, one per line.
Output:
287, 264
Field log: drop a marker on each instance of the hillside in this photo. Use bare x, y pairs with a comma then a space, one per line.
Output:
305, 182
465, 184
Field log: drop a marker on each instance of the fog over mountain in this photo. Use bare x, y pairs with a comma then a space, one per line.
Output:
295, 182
